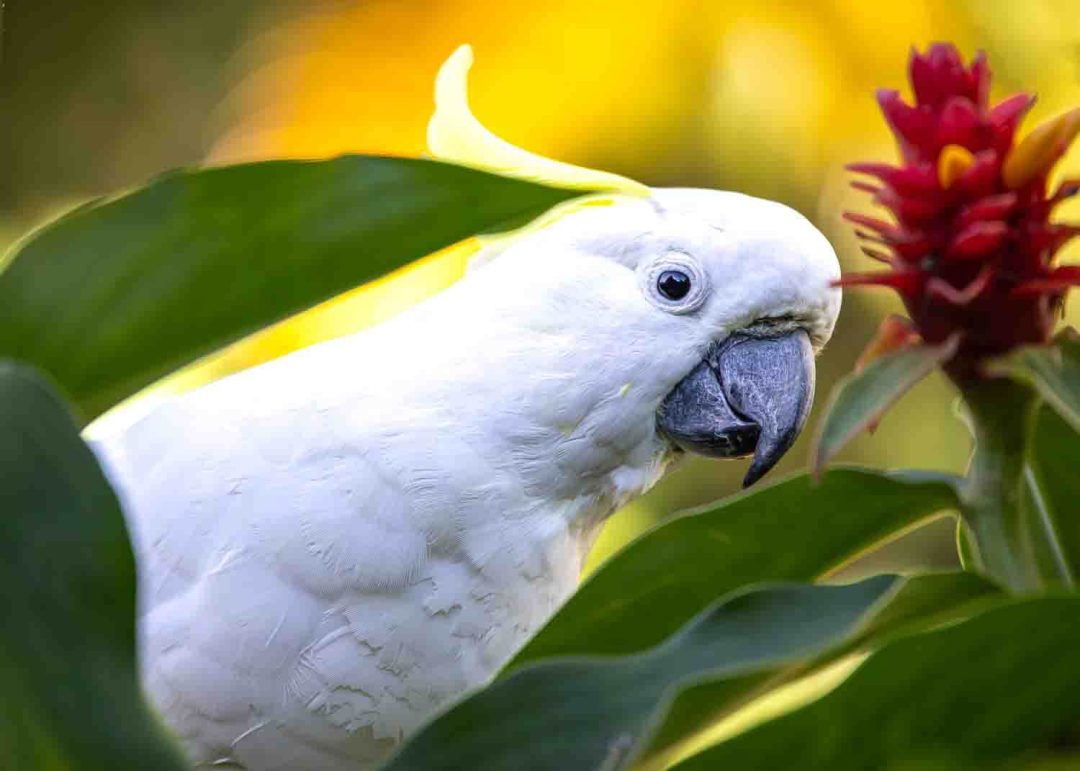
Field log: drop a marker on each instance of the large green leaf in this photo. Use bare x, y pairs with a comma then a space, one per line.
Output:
859, 400
793, 531
970, 695
591, 713
1053, 370
71, 699
922, 602
117, 294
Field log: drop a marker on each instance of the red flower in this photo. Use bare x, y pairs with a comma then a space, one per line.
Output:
972, 246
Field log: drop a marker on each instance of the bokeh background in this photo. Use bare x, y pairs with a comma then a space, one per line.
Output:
769, 98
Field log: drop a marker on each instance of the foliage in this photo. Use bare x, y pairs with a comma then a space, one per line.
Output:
592, 712
104, 298
71, 696
946, 697
1052, 371
866, 395
792, 531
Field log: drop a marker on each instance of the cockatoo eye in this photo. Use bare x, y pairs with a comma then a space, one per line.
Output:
673, 284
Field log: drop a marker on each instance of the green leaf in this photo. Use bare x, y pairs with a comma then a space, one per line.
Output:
922, 602
965, 546
859, 400
793, 531
1052, 489
1053, 370
71, 698
969, 695
1052, 761
591, 713
117, 294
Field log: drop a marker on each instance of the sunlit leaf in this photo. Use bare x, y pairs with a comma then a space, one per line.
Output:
1053, 370
71, 698
590, 713
965, 546
922, 602
969, 695
859, 400
119, 293
793, 531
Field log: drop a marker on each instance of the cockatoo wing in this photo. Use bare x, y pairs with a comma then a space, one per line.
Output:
287, 591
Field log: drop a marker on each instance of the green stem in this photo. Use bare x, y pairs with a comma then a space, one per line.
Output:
1002, 422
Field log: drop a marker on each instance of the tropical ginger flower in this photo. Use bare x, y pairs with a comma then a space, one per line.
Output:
971, 251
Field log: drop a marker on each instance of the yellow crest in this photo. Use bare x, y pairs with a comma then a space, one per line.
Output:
455, 135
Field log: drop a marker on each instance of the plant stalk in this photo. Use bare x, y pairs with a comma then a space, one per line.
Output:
1002, 413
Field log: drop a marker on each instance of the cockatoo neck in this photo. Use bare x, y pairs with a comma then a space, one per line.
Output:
533, 372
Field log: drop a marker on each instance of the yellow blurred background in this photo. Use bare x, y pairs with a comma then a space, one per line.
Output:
769, 98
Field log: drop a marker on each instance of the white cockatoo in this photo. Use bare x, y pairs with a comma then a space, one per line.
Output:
335, 544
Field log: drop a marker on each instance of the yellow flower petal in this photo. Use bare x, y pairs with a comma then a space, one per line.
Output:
454, 134
1040, 149
953, 161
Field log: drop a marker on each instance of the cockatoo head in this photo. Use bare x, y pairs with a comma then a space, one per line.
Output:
697, 310
689, 315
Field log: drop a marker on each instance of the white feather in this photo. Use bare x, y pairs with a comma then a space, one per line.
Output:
335, 544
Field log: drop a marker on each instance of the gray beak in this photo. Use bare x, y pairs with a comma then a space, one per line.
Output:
749, 395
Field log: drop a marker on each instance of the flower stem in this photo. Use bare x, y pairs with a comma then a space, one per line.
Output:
1002, 423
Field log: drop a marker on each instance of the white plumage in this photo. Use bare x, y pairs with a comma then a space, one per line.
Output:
336, 543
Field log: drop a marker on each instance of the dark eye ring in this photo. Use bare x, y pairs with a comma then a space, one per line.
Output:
673, 284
